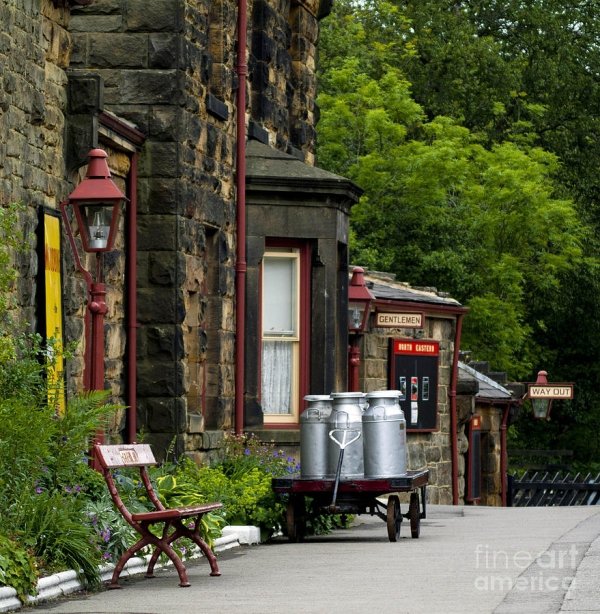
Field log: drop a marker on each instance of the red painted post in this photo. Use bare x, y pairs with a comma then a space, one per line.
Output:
354, 364
97, 308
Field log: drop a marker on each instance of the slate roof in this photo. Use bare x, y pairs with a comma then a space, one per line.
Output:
389, 289
488, 388
266, 164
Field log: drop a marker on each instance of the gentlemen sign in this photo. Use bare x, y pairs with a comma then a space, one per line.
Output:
550, 391
399, 320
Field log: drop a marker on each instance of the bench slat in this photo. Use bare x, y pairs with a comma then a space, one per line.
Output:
126, 455
175, 512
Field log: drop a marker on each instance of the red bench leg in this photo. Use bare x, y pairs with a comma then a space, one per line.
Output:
194, 535
114, 583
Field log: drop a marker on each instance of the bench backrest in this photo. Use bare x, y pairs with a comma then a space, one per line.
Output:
125, 455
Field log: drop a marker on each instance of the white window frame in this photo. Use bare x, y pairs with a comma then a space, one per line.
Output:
292, 337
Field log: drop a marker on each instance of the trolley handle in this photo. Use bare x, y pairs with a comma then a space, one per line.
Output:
344, 444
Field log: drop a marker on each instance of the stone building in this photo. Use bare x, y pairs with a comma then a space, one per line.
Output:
183, 95
486, 406
411, 345
457, 413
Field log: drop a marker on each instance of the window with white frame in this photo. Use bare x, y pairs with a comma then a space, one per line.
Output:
280, 335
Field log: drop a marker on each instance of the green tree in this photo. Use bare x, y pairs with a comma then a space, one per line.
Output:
442, 205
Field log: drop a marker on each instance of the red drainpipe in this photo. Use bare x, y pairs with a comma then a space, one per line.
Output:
240, 267
453, 416
131, 266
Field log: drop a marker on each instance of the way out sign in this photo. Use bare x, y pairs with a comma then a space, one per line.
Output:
550, 391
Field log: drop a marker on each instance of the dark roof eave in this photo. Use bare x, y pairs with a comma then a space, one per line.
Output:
306, 185
496, 401
419, 304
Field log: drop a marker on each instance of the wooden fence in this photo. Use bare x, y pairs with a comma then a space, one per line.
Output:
544, 489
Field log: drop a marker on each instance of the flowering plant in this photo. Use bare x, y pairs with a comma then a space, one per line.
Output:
241, 453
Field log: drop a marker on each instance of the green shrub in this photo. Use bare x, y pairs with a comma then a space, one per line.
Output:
44, 470
53, 528
17, 568
112, 532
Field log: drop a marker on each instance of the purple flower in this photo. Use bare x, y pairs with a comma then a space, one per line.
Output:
106, 556
105, 534
247, 452
39, 490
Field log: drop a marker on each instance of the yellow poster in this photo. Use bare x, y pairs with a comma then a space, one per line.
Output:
53, 294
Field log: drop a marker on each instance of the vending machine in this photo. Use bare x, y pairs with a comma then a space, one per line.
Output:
413, 370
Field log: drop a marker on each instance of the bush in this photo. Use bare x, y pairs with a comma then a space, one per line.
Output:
45, 476
241, 480
17, 568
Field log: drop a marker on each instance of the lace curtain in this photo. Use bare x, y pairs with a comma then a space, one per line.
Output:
277, 377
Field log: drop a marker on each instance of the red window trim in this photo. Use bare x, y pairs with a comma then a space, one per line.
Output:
304, 317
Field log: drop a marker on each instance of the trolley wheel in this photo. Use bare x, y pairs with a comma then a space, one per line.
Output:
295, 520
414, 515
394, 518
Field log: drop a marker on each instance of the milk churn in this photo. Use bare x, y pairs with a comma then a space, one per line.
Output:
314, 436
346, 423
384, 435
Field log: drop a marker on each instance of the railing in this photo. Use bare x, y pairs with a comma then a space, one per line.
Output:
545, 489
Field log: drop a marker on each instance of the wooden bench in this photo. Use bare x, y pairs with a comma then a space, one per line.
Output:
174, 519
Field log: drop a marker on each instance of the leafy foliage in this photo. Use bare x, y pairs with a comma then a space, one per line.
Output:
470, 126
17, 568
44, 471
441, 209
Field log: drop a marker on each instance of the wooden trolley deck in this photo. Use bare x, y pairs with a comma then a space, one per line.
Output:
354, 496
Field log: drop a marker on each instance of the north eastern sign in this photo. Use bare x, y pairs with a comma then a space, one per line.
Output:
550, 391
398, 320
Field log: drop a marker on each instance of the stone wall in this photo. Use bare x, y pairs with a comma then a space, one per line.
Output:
155, 63
34, 53
168, 67
491, 477
282, 70
425, 450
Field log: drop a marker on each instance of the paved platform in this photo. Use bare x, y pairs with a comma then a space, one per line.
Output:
467, 560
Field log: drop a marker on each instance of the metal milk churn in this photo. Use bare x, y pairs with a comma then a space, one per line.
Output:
384, 435
314, 436
345, 424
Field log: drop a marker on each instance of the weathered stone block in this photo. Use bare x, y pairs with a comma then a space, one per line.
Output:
432, 454
166, 268
160, 159
416, 456
156, 232
158, 15
158, 195
195, 423
106, 7
160, 379
160, 305
118, 50
95, 23
164, 342
142, 87
163, 51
